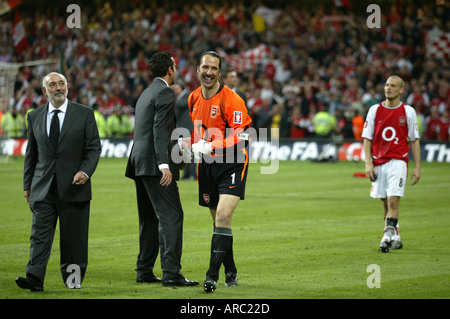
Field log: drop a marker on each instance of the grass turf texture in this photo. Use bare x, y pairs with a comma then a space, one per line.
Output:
309, 231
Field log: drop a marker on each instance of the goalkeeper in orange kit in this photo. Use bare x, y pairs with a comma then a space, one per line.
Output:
220, 143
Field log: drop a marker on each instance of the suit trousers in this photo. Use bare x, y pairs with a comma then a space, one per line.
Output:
73, 225
160, 225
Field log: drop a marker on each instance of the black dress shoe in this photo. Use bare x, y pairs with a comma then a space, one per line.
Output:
179, 281
147, 279
30, 282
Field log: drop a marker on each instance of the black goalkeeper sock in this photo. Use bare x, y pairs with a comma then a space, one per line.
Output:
220, 244
391, 222
228, 261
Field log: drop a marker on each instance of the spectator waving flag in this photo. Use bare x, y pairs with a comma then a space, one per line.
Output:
246, 60
7, 5
19, 36
438, 44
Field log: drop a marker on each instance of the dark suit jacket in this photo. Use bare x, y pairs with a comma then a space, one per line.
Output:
78, 149
153, 126
182, 111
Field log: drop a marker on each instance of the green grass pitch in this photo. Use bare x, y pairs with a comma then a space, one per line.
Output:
310, 231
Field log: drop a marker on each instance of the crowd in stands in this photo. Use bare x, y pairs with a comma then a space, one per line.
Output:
321, 61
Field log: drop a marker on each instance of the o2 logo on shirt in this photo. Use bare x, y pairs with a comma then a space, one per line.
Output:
237, 117
389, 136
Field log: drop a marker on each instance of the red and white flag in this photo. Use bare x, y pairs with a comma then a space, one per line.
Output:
246, 60
7, 5
438, 44
19, 35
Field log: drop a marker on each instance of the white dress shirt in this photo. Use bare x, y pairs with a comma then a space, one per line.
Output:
61, 115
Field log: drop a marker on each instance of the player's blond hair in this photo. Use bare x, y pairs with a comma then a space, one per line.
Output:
400, 80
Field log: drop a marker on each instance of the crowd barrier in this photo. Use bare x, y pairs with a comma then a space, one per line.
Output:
264, 151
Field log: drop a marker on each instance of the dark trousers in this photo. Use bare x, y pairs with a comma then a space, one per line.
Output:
160, 226
73, 226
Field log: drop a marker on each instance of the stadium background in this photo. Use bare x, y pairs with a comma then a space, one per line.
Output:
293, 59
309, 231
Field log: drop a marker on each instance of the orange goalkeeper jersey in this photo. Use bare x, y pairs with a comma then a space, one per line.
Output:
218, 119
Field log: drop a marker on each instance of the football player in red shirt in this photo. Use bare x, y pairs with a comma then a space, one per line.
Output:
388, 126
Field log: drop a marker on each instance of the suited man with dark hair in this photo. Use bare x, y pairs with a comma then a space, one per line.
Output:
230, 78
62, 153
155, 174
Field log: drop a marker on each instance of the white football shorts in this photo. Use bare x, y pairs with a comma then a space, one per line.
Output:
391, 179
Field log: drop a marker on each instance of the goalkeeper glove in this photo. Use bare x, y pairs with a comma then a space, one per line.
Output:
201, 147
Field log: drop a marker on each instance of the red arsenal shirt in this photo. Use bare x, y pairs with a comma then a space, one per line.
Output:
389, 130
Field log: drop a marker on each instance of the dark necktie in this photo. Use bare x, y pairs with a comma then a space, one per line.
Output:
54, 129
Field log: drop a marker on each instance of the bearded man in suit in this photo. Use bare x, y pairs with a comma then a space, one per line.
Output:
62, 153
